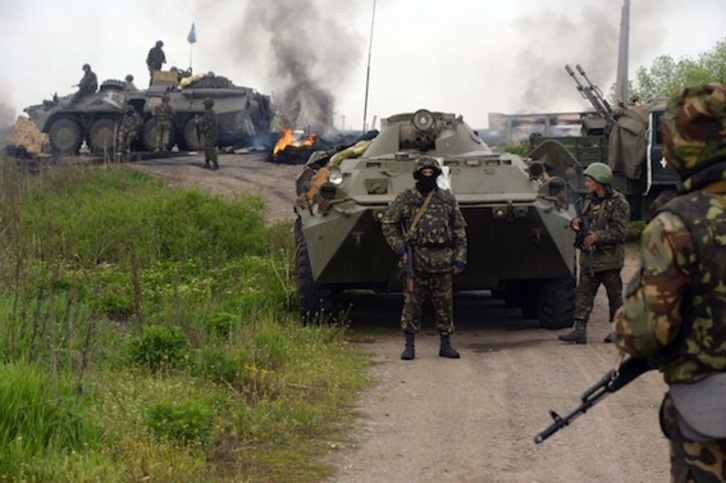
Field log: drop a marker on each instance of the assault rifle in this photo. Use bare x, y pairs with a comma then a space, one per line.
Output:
584, 225
614, 380
406, 272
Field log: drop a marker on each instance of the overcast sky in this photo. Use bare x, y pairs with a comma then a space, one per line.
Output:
469, 57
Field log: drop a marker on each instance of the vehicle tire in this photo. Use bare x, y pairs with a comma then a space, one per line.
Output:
102, 136
316, 302
65, 136
192, 140
148, 136
556, 303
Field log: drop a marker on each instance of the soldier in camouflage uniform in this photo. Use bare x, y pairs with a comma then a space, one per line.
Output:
602, 250
208, 128
438, 248
87, 85
155, 59
130, 125
164, 115
675, 305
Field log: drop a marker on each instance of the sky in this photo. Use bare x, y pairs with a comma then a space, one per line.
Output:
468, 57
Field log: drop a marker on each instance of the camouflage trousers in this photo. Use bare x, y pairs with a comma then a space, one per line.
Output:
587, 289
438, 288
692, 461
163, 131
210, 150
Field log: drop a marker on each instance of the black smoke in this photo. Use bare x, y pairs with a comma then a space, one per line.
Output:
308, 51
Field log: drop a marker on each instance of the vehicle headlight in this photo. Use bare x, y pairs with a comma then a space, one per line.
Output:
335, 177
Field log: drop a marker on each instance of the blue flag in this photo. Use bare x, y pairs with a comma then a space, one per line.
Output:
192, 37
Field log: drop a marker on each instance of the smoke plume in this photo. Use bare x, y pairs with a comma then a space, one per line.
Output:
307, 51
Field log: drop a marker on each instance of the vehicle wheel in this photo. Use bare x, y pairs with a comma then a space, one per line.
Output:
65, 136
316, 301
193, 140
556, 303
102, 135
148, 136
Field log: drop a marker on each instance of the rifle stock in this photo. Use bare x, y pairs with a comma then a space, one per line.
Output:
611, 382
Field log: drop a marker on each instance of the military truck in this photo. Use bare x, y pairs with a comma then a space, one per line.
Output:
520, 244
626, 138
243, 114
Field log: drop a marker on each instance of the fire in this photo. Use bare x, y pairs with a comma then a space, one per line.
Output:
286, 139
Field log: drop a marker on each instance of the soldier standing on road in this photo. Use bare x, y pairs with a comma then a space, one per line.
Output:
155, 59
675, 305
208, 128
87, 85
428, 219
130, 125
164, 115
602, 248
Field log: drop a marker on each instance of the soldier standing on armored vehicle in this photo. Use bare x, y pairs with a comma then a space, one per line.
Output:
207, 126
675, 308
155, 59
130, 125
426, 228
600, 237
164, 115
87, 85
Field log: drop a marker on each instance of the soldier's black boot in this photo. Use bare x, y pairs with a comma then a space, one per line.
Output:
215, 165
579, 335
409, 352
206, 165
446, 350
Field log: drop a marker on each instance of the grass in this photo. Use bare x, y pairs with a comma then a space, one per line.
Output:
151, 333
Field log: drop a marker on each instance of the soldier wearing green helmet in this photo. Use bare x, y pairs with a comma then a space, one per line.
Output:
424, 225
601, 226
675, 306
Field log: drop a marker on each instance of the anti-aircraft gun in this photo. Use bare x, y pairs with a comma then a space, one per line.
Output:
627, 138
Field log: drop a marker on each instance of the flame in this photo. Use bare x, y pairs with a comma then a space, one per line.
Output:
286, 139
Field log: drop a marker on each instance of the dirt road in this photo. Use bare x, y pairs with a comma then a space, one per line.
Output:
472, 419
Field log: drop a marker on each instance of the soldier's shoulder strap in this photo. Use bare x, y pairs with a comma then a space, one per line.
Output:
421, 210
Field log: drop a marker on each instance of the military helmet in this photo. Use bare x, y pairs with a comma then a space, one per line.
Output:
427, 161
86, 66
159, 43
693, 128
208, 102
165, 97
130, 108
600, 172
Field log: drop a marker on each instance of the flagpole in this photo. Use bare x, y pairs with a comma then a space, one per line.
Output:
191, 48
368, 71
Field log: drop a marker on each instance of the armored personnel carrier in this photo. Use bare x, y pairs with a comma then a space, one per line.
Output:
242, 112
520, 246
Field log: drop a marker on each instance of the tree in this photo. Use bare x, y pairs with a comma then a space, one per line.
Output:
666, 74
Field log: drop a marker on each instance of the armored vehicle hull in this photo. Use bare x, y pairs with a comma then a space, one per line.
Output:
520, 246
242, 113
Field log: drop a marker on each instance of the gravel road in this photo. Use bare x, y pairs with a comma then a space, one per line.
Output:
472, 419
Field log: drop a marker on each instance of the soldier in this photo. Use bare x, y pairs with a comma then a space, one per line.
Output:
606, 213
87, 85
130, 86
155, 59
429, 221
164, 115
130, 125
675, 305
208, 128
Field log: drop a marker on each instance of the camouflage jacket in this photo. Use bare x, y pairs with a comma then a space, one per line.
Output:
88, 84
208, 125
675, 306
155, 58
163, 113
131, 122
438, 240
608, 217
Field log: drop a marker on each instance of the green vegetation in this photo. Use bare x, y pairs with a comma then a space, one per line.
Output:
666, 74
150, 333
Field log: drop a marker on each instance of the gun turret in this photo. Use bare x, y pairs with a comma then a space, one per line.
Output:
592, 93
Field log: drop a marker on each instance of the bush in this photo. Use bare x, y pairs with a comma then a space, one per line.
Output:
181, 422
160, 346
